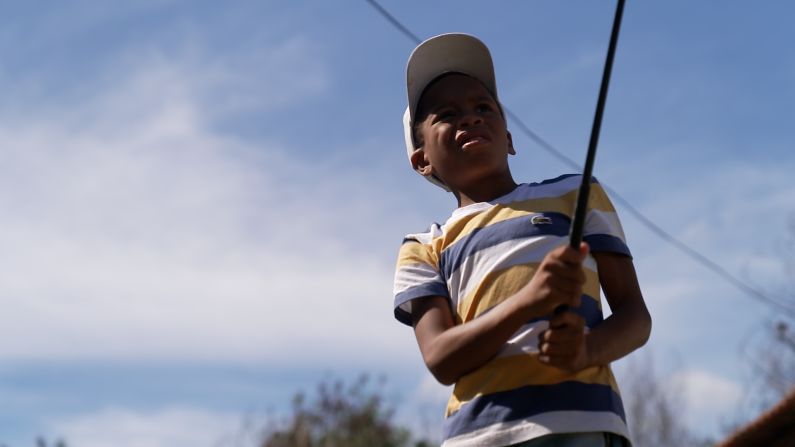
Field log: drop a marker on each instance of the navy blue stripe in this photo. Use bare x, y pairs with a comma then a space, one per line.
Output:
423, 290
403, 317
560, 178
511, 229
409, 239
589, 310
606, 242
528, 401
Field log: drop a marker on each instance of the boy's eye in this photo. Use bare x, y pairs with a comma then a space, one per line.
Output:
484, 107
445, 114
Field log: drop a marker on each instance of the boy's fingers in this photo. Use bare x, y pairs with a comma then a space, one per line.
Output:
559, 352
567, 271
564, 254
559, 361
557, 340
561, 342
557, 355
558, 320
566, 287
565, 341
567, 320
571, 255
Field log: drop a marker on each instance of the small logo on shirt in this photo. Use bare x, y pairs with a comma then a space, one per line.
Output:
541, 220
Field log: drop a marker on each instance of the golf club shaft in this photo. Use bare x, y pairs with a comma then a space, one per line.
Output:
575, 233
577, 224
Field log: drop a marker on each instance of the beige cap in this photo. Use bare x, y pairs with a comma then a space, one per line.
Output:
446, 53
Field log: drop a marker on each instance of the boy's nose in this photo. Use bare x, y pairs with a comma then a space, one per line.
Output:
470, 119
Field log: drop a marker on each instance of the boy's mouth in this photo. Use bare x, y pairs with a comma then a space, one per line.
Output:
466, 140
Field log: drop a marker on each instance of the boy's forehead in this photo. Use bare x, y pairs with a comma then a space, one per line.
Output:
451, 87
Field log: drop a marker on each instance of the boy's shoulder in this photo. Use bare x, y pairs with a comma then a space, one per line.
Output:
425, 237
553, 187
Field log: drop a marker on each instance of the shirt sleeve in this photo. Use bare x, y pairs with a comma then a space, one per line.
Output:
417, 276
603, 231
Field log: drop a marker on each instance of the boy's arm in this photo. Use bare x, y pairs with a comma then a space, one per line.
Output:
629, 325
451, 350
626, 329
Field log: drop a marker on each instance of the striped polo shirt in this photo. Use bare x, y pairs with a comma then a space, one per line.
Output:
486, 252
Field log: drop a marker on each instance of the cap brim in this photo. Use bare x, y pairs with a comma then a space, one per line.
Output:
448, 53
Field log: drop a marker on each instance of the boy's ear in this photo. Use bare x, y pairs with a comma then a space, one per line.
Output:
420, 163
511, 150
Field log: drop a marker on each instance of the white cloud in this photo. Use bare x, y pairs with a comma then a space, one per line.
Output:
130, 230
167, 427
431, 391
238, 79
710, 398
733, 214
704, 400
153, 84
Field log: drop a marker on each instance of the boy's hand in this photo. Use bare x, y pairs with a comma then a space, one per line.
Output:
558, 281
563, 344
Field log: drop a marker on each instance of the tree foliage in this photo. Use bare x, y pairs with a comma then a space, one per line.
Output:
655, 408
770, 353
340, 415
42, 442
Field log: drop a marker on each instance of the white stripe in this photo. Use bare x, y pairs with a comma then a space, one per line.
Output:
506, 433
458, 213
474, 268
525, 340
414, 275
521, 193
604, 222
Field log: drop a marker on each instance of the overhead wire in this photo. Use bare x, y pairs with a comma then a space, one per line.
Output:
693, 254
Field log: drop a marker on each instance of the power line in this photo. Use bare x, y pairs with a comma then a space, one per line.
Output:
645, 221
395, 22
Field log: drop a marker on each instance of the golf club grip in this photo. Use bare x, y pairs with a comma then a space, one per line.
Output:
577, 225
575, 233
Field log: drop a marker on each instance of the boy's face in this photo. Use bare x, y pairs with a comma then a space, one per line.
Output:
462, 133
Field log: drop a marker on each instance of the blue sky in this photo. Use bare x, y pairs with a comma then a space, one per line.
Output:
201, 204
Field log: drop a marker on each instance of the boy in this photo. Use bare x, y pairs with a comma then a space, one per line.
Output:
481, 290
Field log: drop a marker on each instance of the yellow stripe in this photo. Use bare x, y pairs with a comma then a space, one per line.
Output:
598, 200
563, 204
415, 253
507, 373
460, 228
498, 285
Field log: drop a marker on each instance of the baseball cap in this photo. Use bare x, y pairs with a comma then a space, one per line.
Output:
442, 54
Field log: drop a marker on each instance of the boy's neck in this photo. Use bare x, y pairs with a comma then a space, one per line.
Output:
485, 190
